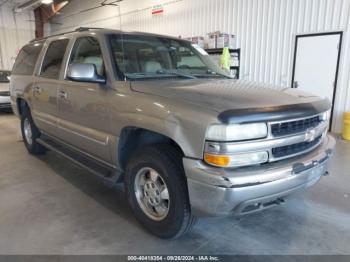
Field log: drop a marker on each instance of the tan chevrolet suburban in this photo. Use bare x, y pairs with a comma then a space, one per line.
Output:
156, 114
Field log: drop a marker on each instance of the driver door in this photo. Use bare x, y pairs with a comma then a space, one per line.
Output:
83, 114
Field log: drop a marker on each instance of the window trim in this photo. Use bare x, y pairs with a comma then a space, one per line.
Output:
46, 49
71, 52
116, 71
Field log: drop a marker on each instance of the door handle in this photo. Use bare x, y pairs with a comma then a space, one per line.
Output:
62, 94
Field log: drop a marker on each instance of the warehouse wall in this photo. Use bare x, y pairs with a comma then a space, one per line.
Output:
15, 31
265, 30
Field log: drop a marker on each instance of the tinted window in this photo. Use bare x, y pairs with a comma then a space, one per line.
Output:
87, 51
26, 59
53, 59
4, 76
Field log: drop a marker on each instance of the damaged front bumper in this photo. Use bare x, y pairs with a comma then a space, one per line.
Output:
219, 192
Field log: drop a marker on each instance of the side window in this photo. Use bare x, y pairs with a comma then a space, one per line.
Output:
187, 59
53, 59
26, 59
87, 50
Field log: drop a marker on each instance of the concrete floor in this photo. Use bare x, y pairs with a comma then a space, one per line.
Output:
49, 206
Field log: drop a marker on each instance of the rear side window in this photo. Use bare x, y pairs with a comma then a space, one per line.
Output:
26, 59
52, 63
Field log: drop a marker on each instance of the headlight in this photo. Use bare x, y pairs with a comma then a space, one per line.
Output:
325, 116
237, 160
234, 132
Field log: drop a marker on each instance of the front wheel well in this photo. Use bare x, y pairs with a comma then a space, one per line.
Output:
132, 138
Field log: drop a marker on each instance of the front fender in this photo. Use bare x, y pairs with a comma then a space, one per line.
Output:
189, 134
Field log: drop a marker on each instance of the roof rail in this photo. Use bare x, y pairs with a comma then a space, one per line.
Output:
81, 29
44, 38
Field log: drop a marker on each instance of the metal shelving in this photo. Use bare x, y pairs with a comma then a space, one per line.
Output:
234, 53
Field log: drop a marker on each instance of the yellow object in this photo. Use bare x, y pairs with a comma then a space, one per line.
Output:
217, 160
346, 128
225, 59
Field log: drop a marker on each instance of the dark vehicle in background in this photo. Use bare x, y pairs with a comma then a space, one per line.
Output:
5, 102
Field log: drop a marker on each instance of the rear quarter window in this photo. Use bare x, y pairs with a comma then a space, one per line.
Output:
26, 59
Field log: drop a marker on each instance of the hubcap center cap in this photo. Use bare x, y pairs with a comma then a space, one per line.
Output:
152, 193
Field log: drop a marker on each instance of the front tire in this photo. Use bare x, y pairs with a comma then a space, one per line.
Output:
30, 133
157, 192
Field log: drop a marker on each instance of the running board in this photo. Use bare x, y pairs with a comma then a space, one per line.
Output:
108, 175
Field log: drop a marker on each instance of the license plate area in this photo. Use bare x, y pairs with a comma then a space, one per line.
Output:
315, 166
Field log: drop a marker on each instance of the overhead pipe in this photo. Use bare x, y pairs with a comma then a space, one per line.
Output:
42, 15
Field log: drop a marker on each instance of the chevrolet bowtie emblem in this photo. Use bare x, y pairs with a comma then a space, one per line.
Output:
310, 135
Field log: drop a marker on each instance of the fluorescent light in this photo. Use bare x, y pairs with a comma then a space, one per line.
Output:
46, 2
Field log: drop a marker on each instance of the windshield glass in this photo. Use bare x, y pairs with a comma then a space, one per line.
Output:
143, 56
4, 76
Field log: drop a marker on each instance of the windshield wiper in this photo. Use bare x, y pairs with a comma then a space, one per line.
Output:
211, 73
176, 73
158, 74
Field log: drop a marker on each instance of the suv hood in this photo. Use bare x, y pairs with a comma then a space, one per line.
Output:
223, 95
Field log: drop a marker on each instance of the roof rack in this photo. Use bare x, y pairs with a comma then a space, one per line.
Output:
79, 29
82, 29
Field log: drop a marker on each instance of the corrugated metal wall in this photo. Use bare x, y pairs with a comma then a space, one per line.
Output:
15, 31
265, 30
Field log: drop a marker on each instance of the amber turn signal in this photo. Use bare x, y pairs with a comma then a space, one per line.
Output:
217, 160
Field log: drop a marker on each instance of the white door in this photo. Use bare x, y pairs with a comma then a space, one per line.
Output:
316, 64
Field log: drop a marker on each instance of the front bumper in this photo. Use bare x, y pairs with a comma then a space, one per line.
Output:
219, 192
5, 102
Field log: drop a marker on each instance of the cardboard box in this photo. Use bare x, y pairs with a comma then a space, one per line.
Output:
212, 41
218, 39
199, 40
226, 40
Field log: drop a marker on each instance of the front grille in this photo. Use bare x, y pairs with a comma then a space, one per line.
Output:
285, 151
293, 127
4, 93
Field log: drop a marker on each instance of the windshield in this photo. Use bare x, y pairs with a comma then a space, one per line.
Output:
143, 56
4, 76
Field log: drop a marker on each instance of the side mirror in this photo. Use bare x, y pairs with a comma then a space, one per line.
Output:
84, 73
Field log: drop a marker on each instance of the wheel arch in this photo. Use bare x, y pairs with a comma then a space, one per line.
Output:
21, 103
132, 138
